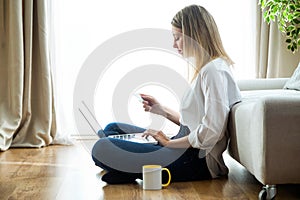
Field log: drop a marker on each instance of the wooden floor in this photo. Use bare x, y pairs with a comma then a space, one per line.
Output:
67, 172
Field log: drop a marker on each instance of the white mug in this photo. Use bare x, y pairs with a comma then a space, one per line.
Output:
152, 179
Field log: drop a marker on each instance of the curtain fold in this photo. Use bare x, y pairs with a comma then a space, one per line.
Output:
272, 59
27, 117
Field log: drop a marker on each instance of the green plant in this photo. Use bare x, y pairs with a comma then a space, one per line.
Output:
287, 15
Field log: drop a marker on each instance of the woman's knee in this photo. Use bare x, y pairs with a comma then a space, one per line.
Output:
98, 149
112, 127
100, 146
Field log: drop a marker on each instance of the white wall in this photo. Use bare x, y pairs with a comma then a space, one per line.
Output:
83, 25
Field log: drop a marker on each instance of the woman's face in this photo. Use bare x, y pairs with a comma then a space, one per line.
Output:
178, 39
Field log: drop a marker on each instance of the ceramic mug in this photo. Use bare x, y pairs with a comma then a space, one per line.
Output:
152, 178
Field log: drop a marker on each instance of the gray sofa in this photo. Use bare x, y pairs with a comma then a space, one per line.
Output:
265, 133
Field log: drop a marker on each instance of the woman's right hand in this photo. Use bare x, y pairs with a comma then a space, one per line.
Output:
150, 104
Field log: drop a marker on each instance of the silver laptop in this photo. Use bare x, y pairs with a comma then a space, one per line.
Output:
95, 126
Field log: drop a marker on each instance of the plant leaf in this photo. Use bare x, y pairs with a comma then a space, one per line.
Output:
262, 3
292, 7
290, 28
286, 13
296, 21
272, 17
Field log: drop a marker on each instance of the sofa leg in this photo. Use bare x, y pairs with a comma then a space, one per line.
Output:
268, 192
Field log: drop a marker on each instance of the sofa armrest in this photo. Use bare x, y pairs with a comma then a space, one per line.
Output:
262, 84
265, 138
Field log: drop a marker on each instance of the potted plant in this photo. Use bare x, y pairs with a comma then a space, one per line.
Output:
287, 15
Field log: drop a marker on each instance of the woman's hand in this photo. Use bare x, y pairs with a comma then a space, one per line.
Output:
165, 141
158, 136
150, 104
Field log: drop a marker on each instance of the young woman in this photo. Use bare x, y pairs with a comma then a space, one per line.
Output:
195, 153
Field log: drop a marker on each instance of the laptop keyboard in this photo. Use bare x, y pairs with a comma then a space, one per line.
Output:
135, 137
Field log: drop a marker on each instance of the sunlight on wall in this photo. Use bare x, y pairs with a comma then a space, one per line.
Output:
128, 64
82, 25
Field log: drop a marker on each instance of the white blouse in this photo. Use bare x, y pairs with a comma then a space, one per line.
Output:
205, 108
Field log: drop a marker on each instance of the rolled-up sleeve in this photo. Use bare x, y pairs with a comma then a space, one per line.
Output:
216, 109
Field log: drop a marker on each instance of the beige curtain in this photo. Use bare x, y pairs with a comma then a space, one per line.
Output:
27, 115
273, 59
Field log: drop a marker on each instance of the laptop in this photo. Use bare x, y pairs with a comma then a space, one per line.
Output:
95, 126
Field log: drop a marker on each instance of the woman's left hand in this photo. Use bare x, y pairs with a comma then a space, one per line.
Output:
158, 136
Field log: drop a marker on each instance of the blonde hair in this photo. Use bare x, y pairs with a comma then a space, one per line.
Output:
201, 38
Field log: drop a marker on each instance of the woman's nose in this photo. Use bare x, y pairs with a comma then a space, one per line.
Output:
175, 45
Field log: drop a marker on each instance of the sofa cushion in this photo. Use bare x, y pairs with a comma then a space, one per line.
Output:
294, 82
255, 95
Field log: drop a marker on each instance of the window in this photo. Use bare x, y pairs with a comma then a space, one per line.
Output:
82, 25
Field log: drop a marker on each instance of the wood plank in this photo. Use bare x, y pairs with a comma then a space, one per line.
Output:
68, 172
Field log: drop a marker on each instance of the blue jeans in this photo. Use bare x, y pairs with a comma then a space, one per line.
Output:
129, 157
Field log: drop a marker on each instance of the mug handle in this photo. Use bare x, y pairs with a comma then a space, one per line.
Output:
169, 173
